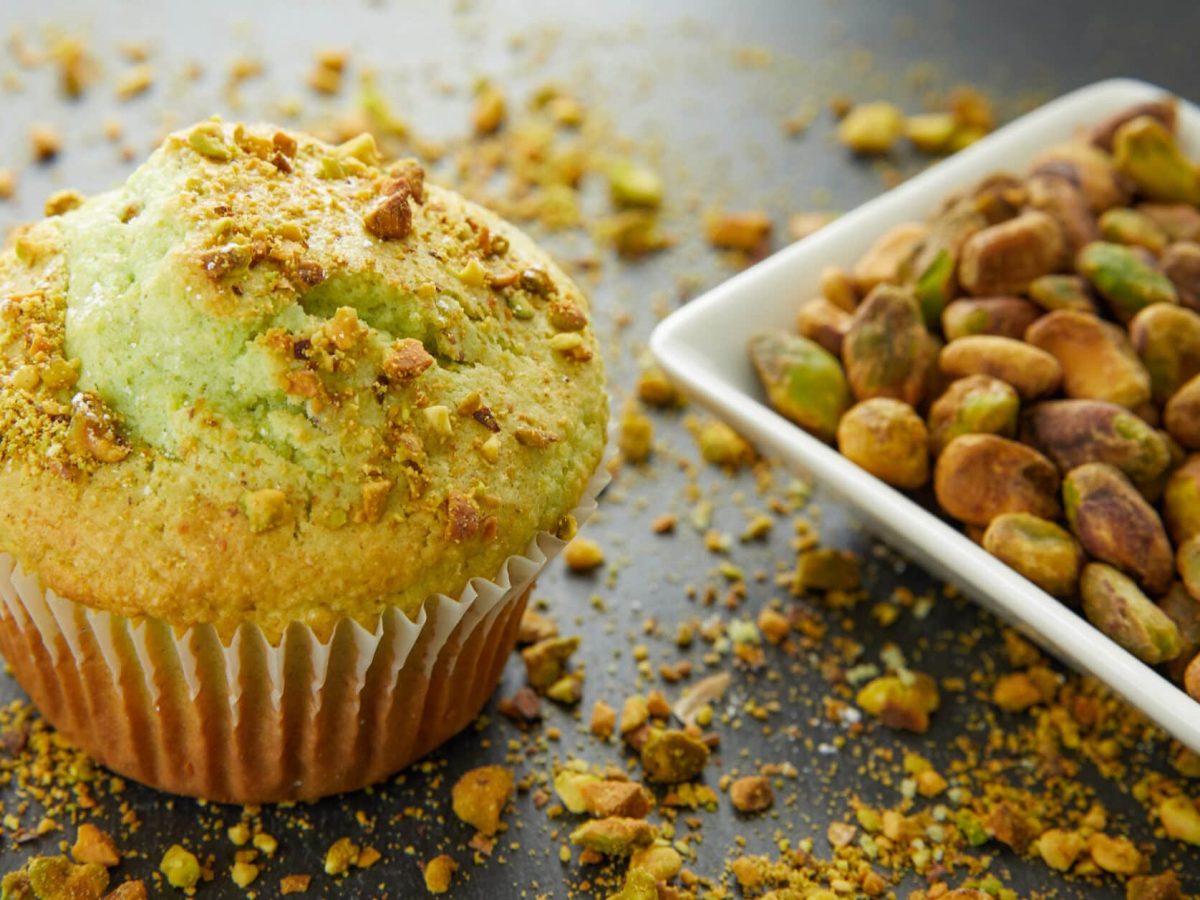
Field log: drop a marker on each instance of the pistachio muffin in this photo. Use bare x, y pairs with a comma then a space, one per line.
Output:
271, 385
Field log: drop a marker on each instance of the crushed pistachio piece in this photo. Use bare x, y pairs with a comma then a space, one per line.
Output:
615, 836
341, 855
180, 867
439, 872
872, 128
479, 797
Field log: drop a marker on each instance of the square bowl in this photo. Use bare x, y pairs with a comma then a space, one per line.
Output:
703, 347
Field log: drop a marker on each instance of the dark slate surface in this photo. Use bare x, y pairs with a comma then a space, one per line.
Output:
666, 73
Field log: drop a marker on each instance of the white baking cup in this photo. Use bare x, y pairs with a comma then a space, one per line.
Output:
251, 722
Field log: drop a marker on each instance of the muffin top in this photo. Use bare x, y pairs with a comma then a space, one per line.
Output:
272, 380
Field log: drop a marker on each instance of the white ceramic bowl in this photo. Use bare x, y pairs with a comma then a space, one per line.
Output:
703, 347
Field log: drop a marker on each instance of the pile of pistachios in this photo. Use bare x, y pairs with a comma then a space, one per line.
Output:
1034, 350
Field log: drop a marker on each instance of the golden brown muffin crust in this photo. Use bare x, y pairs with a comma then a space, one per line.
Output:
273, 380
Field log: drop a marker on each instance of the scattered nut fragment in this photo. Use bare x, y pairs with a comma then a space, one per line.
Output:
655, 389
1164, 886
327, 72
523, 707
614, 836
1117, 855
751, 794
490, 107
181, 868
871, 128
604, 720
1011, 826
545, 661
660, 860
479, 796
635, 713
1059, 848
45, 141
565, 315
534, 628
930, 132
774, 625
57, 877
568, 785
747, 231
901, 701
1015, 692
76, 66
341, 856
635, 436
626, 799
94, 846
706, 691
294, 884
826, 569
840, 834
633, 184
438, 873
135, 82
722, 446
1180, 817
243, 873
128, 890
672, 756
583, 555
531, 436
803, 224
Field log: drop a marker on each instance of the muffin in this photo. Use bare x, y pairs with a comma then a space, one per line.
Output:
286, 435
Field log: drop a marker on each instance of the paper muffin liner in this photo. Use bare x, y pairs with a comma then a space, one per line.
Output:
252, 722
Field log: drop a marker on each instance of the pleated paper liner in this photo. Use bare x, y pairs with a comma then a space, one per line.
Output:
249, 722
